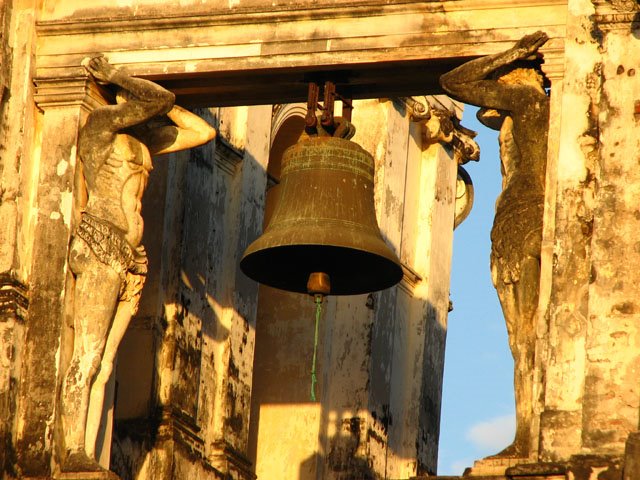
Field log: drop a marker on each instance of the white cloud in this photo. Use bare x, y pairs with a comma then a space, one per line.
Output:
493, 434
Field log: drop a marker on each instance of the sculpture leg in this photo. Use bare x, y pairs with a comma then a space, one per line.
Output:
519, 304
527, 293
507, 296
96, 292
126, 308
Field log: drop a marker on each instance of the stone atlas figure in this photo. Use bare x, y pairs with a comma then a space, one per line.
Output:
106, 255
509, 88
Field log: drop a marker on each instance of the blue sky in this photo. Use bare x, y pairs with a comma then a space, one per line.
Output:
477, 405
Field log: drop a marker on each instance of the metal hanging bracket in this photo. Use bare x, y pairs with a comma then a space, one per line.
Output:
328, 122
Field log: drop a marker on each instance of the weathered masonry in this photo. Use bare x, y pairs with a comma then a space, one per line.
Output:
211, 379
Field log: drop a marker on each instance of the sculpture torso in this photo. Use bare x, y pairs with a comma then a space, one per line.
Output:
517, 228
115, 192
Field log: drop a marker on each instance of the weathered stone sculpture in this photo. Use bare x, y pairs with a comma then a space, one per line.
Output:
106, 255
509, 87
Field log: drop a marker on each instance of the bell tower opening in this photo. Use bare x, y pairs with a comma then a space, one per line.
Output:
281, 335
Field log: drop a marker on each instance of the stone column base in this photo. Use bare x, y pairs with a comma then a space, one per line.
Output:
106, 475
493, 466
87, 476
579, 467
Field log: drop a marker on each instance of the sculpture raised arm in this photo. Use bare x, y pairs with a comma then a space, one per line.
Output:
472, 82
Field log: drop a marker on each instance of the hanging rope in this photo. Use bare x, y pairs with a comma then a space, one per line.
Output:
314, 379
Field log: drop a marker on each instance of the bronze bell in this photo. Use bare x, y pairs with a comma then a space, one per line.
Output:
324, 224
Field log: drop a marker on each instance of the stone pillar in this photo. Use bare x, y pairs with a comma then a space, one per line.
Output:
591, 398
17, 22
237, 295
611, 398
570, 175
387, 135
63, 106
436, 149
554, 71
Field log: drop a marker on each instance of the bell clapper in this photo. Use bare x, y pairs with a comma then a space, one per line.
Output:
318, 285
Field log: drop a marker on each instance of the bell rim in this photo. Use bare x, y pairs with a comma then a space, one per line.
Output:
368, 239
384, 272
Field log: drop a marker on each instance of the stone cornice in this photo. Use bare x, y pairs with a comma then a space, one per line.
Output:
252, 15
264, 55
14, 300
464, 146
66, 92
617, 14
229, 460
621, 6
439, 124
614, 21
436, 122
180, 427
626, 5
227, 157
236, 16
410, 278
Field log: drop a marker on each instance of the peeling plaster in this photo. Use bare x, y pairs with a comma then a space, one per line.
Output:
66, 206
62, 167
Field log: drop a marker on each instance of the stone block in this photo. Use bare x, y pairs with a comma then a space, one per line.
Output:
632, 457
600, 467
106, 475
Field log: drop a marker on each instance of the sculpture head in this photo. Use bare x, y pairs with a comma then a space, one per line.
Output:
526, 73
521, 73
122, 95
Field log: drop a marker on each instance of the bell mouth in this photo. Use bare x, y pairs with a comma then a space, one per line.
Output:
352, 271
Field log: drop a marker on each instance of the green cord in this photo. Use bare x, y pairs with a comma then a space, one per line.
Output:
315, 348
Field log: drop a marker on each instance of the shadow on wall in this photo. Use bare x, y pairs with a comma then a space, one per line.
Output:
342, 458
193, 232
350, 432
380, 356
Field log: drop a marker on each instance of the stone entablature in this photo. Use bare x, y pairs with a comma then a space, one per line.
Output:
204, 53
